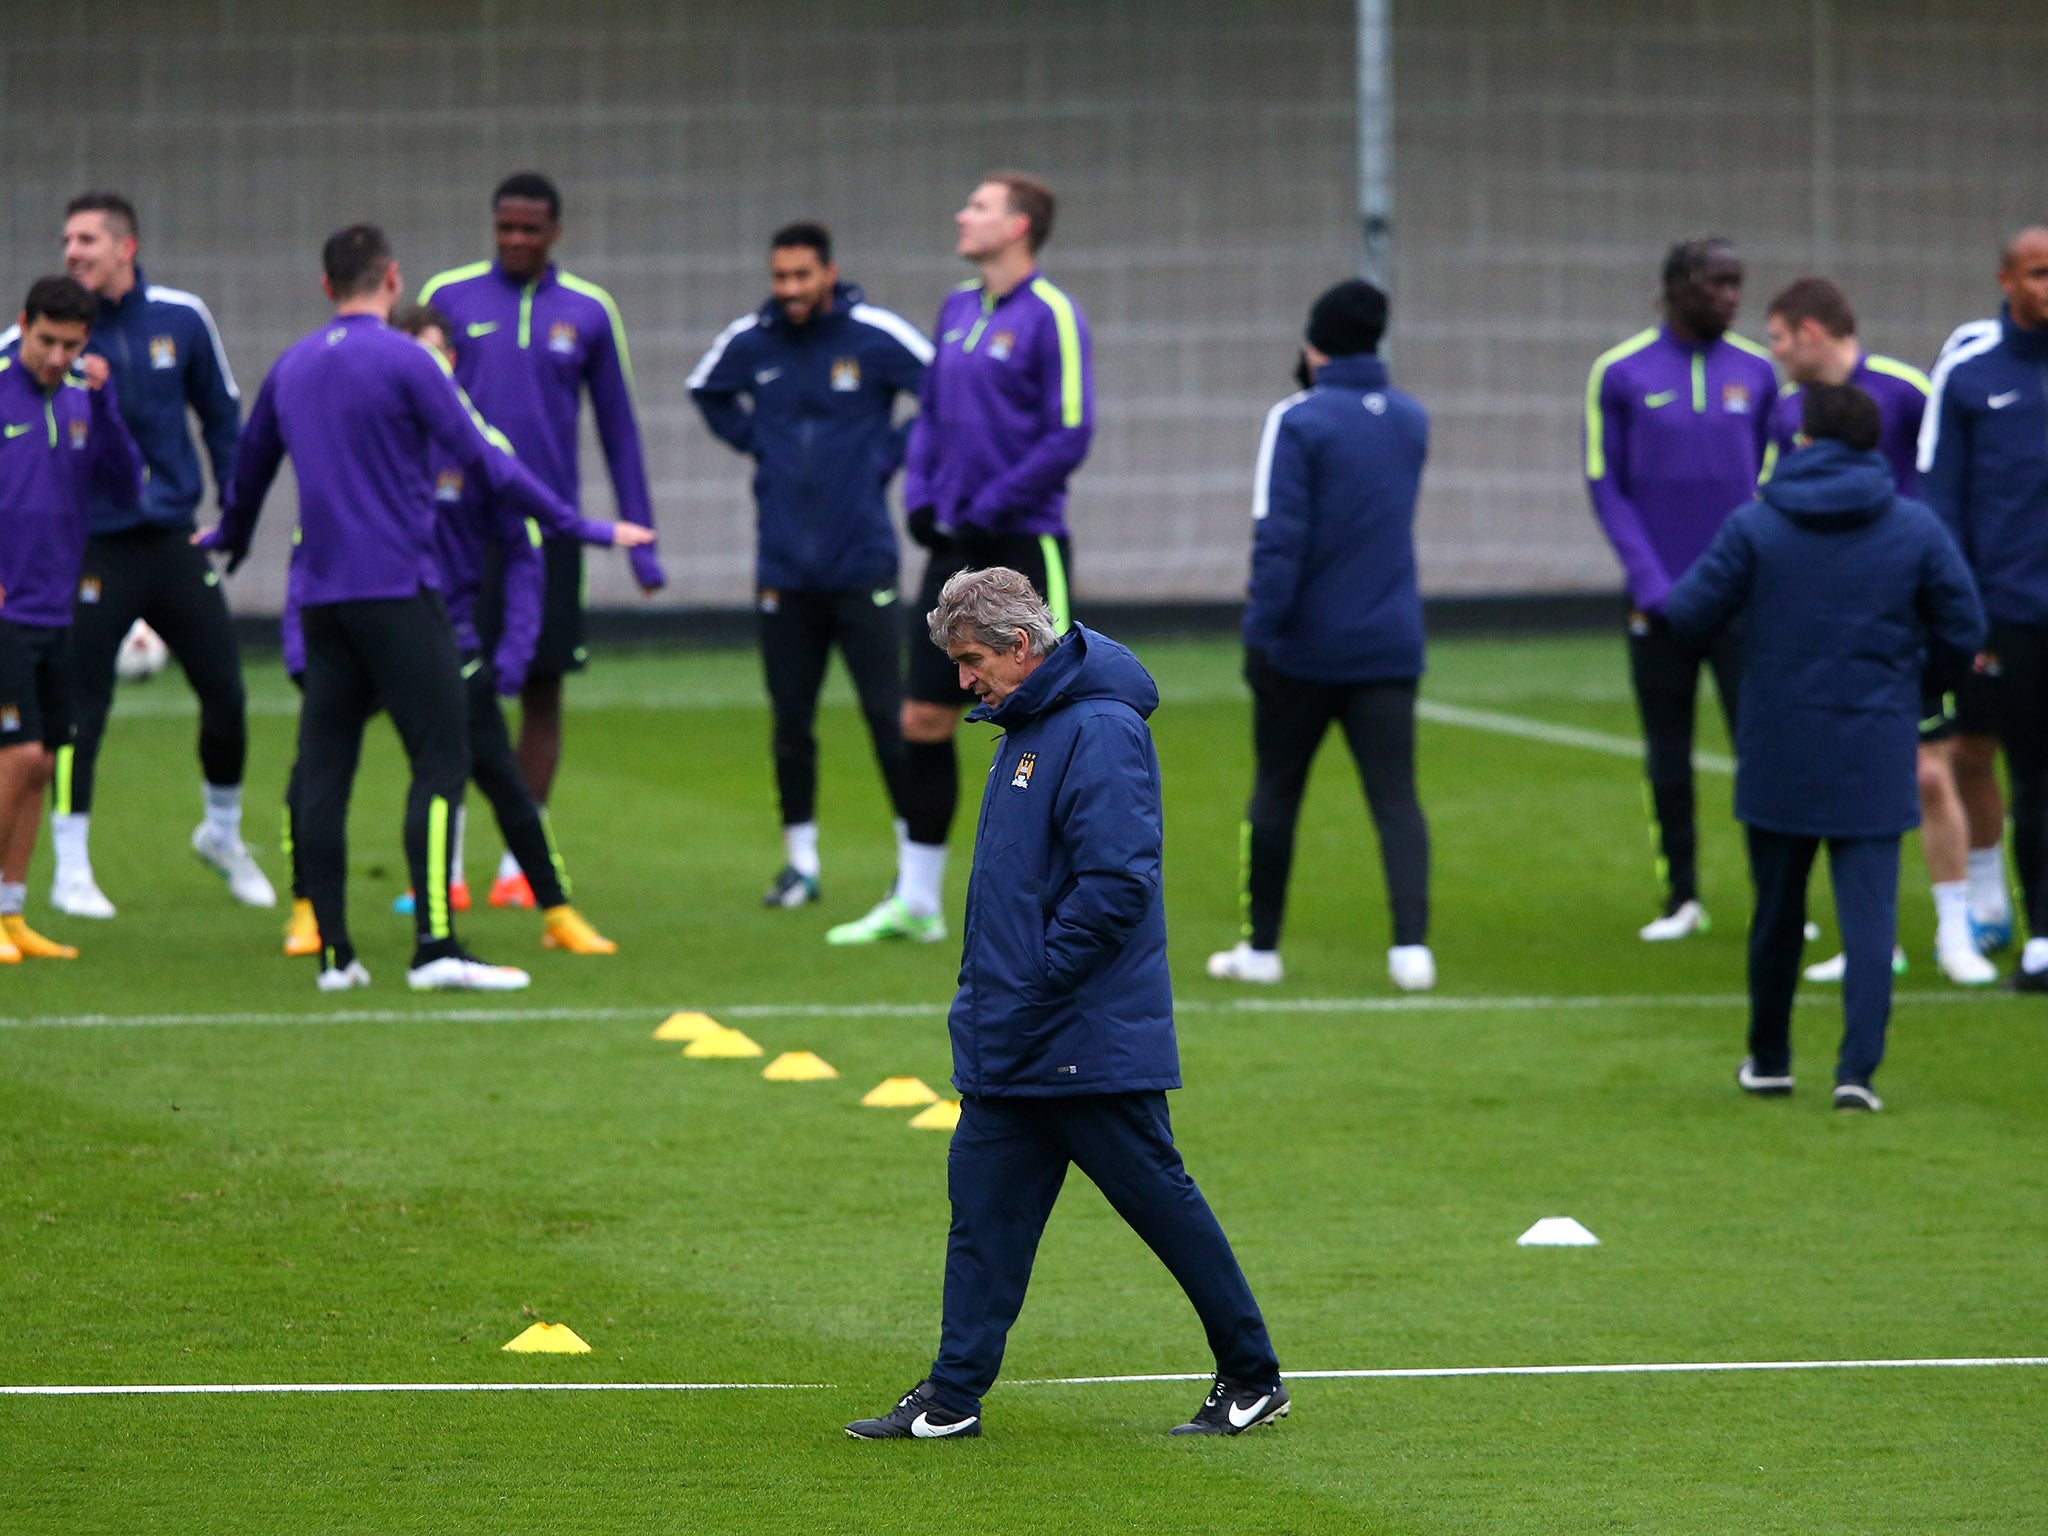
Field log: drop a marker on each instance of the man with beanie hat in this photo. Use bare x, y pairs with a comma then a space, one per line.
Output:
1848, 588
1333, 625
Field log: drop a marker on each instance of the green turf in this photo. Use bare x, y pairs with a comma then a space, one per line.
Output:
390, 1200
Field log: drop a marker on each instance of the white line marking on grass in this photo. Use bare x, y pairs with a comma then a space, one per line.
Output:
1675, 1368
1814, 997
1556, 735
1500, 723
223, 1389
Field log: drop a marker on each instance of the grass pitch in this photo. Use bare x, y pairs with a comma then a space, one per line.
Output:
383, 1188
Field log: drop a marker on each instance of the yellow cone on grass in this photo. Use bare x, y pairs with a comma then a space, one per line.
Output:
549, 1339
720, 1041
898, 1093
942, 1116
686, 1026
799, 1067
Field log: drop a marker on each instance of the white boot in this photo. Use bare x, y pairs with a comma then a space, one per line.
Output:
1243, 963
1412, 967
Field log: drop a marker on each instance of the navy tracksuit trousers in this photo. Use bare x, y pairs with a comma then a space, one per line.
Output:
1865, 873
1008, 1159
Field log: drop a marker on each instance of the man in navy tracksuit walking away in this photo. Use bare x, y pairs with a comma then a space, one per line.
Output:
1063, 1042
820, 371
1333, 625
1849, 589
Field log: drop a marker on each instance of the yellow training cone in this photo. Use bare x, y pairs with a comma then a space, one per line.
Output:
686, 1026
942, 1116
799, 1067
898, 1093
720, 1041
549, 1339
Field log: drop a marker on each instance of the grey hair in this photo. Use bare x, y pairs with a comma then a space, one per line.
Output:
995, 605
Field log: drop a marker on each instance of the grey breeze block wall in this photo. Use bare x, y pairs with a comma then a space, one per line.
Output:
1204, 153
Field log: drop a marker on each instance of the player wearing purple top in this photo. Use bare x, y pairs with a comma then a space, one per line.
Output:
1675, 424
62, 444
470, 529
1006, 412
1813, 336
531, 340
357, 405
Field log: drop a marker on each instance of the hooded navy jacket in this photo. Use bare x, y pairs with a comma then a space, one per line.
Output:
1063, 980
164, 354
1333, 594
821, 434
1984, 460
1848, 587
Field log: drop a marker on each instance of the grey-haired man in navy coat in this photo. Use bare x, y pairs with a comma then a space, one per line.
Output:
1063, 1042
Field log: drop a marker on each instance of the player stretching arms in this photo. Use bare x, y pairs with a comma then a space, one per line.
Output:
1675, 421
62, 446
1813, 335
357, 404
531, 340
820, 370
467, 525
1006, 414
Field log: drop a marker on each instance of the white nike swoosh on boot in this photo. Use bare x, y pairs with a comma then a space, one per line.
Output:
1249, 1416
922, 1428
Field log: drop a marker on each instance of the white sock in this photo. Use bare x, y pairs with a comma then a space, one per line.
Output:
1952, 915
224, 811
1989, 902
800, 847
508, 867
68, 836
455, 875
13, 898
921, 877
2033, 958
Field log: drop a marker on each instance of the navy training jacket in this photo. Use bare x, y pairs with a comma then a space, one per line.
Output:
1333, 593
1984, 460
818, 423
165, 355
1063, 980
1848, 587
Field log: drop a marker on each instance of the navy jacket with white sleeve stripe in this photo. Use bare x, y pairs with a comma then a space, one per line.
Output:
1984, 461
1333, 594
813, 406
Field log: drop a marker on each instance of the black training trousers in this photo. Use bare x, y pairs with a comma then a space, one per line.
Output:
1290, 717
154, 574
798, 631
1666, 674
397, 653
2019, 705
495, 768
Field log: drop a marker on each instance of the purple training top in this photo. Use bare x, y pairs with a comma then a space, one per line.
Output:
1674, 441
58, 447
525, 352
357, 405
1006, 411
1901, 395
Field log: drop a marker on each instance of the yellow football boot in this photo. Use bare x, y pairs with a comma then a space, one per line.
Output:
32, 944
564, 927
301, 931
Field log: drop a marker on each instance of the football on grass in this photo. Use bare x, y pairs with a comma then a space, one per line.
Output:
143, 654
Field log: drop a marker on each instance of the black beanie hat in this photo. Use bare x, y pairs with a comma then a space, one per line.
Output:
1349, 318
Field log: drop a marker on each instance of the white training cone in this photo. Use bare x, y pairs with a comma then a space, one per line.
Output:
1557, 1232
